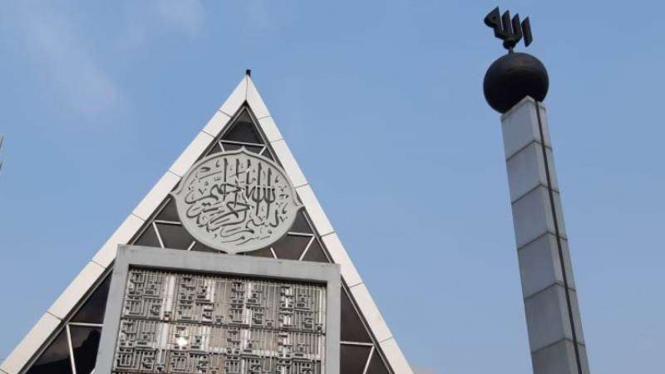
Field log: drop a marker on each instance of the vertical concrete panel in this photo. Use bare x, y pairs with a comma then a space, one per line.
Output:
550, 298
526, 171
532, 216
558, 358
539, 265
547, 317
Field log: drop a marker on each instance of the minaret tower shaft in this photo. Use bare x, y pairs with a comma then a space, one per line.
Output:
515, 85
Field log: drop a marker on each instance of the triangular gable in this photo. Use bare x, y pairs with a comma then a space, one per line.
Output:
65, 334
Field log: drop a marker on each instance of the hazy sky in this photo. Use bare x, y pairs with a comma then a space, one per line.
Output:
381, 103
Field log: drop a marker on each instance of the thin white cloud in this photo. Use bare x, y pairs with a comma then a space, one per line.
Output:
186, 15
258, 17
53, 43
145, 19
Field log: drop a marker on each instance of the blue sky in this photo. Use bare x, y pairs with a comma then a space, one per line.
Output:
381, 103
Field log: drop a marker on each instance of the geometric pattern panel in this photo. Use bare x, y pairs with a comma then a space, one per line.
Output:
352, 326
92, 311
55, 359
377, 365
85, 342
175, 322
354, 358
74, 350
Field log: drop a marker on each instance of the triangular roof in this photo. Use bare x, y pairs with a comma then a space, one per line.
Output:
151, 223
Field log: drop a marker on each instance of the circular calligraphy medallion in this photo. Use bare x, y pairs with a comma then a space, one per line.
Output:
236, 201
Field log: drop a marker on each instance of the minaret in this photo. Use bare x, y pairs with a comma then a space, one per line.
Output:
515, 85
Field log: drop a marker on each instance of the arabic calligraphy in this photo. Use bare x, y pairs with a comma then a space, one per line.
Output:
174, 322
511, 32
236, 201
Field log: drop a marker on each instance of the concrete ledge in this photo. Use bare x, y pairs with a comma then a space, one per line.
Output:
270, 129
314, 210
193, 151
216, 124
395, 357
237, 98
122, 235
289, 163
74, 293
157, 194
27, 348
255, 101
371, 312
340, 256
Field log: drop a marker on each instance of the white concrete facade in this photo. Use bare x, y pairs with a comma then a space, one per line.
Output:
245, 92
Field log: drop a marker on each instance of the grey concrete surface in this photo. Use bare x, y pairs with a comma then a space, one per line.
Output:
553, 318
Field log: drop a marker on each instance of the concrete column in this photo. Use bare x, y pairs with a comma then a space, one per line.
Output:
550, 299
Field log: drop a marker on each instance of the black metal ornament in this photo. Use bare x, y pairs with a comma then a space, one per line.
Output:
510, 31
515, 75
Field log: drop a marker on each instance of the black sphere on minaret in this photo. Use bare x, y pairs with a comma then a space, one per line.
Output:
512, 77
